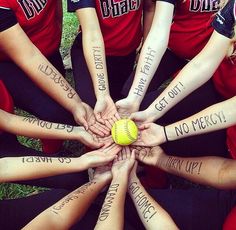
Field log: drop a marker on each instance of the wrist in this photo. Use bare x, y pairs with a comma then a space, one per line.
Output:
152, 114
160, 163
102, 179
165, 134
120, 176
83, 162
168, 132
72, 107
101, 95
134, 98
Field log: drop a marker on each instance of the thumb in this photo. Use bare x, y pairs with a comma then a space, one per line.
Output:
96, 145
83, 122
98, 112
118, 104
98, 117
137, 116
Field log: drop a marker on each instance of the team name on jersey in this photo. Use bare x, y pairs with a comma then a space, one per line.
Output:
204, 5
32, 8
111, 8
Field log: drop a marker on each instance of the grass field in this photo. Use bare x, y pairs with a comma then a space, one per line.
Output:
11, 191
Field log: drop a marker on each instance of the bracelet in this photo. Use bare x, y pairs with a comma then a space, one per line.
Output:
165, 133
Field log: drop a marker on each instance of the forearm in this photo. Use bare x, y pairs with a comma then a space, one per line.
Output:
37, 67
50, 80
33, 167
150, 212
213, 171
94, 50
198, 71
112, 212
70, 209
215, 117
152, 51
34, 127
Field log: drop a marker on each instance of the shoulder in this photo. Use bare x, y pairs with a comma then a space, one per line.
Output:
224, 20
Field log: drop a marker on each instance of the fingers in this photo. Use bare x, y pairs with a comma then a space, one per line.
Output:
112, 148
98, 117
108, 124
99, 129
139, 142
95, 145
83, 122
144, 126
132, 155
117, 116
120, 155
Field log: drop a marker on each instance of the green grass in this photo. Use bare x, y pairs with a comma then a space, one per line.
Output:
9, 190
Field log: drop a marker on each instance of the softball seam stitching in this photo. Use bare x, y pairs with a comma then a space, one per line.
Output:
128, 132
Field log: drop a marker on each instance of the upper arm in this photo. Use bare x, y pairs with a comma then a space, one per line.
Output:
86, 13
10, 40
88, 19
162, 18
214, 51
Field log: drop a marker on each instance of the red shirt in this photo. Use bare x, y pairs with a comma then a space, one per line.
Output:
120, 22
230, 222
191, 28
38, 18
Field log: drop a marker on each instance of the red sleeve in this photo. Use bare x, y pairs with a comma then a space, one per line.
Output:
230, 222
6, 102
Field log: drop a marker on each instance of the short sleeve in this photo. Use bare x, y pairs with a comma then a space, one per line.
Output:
7, 18
73, 5
224, 20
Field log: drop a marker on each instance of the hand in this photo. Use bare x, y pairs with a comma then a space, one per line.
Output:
133, 174
106, 141
100, 156
88, 139
103, 173
150, 156
150, 134
123, 162
80, 115
105, 111
93, 124
126, 106
145, 116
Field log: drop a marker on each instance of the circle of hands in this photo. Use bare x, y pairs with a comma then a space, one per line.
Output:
110, 158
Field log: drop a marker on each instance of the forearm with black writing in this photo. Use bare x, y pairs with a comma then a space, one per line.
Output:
213, 171
33, 167
198, 71
69, 210
152, 50
219, 116
94, 50
34, 127
150, 212
112, 212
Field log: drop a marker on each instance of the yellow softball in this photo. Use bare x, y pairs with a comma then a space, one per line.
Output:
124, 132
